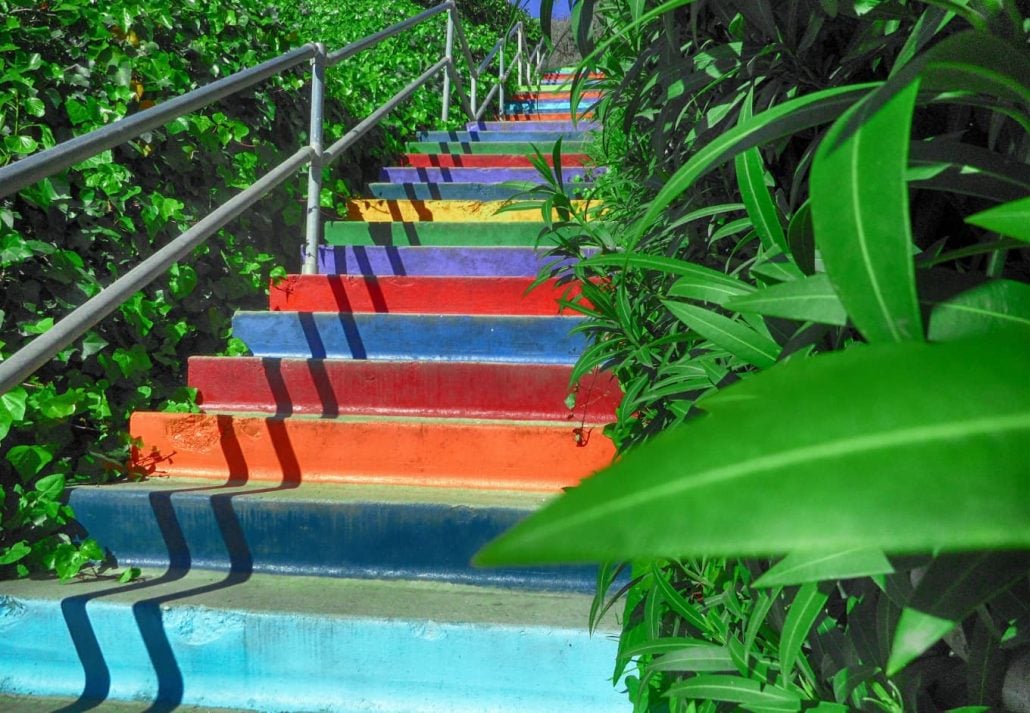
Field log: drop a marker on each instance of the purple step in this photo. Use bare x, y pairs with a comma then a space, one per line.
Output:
436, 174
430, 261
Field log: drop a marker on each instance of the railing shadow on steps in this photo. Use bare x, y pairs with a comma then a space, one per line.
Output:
20, 174
36, 167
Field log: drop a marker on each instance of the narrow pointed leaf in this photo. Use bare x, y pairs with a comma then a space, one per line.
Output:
734, 689
736, 338
782, 120
803, 567
1010, 219
801, 617
861, 220
951, 588
809, 300
761, 209
699, 657
873, 453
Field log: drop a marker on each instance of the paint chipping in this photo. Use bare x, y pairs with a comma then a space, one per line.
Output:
197, 433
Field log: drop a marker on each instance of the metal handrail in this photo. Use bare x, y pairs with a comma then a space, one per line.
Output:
36, 167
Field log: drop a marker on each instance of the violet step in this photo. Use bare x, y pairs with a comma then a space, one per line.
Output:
418, 261
442, 174
457, 191
526, 134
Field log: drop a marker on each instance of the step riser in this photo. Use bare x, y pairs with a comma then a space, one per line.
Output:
245, 530
168, 652
534, 136
531, 118
321, 335
568, 125
556, 95
453, 191
431, 389
474, 175
440, 211
519, 148
486, 160
444, 454
417, 295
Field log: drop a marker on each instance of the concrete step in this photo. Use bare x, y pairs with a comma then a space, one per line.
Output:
527, 106
362, 532
526, 456
403, 174
562, 125
422, 261
418, 295
320, 335
534, 116
531, 135
375, 210
330, 388
553, 94
436, 234
485, 160
518, 148
456, 191
553, 86
272, 643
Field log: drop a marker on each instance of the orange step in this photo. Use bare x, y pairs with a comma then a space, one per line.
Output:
457, 453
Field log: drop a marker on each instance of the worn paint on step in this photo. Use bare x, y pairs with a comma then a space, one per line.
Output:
472, 261
448, 453
321, 387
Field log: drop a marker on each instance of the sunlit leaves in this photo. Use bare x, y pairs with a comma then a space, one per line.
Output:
1011, 219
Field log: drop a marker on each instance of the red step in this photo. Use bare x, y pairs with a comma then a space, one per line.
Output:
536, 392
418, 295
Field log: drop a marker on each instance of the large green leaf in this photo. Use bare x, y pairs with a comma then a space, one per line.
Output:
950, 589
1011, 219
861, 220
811, 299
998, 304
803, 567
737, 338
790, 117
902, 447
734, 689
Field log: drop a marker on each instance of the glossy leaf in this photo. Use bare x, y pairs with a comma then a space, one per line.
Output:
844, 471
950, 589
994, 305
697, 657
1010, 219
735, 337
785, 119
811, 299
804, 567
749, 693
801, 617
761, 208
861, 220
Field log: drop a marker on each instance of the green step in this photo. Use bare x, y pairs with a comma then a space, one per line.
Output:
517, 234
511, 148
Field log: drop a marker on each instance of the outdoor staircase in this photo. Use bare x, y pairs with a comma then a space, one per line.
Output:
306, 539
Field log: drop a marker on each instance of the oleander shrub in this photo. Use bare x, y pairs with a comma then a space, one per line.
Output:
812, 285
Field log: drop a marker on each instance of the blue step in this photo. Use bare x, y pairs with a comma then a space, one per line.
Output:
523, 135
302, 529
272, 643
455, 191
333, 335
549, 106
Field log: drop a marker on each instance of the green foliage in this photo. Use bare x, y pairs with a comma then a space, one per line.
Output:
70, 67
812, 285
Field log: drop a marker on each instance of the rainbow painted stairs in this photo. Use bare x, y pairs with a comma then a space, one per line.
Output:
308, 545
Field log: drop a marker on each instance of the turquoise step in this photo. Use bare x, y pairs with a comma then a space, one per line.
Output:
274, 643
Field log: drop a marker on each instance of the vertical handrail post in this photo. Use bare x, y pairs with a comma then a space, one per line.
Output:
500, 79
520, 56
449, 56
314, 210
